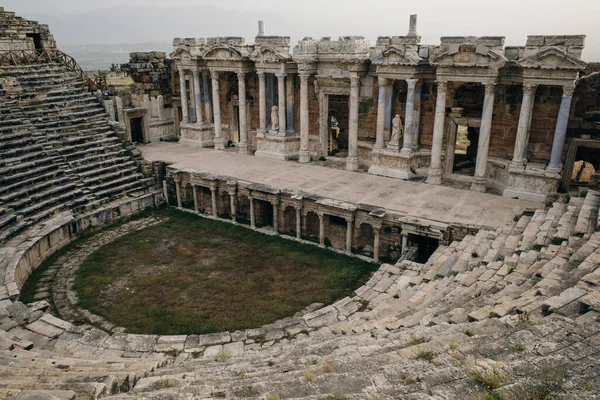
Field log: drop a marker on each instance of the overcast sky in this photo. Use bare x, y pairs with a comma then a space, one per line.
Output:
127, 21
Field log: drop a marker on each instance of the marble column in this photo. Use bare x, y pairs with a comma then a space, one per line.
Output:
560, 132
270, 78
387, 123
352, 159
379, 138
252, 217
197, 96
207, 96
213, 198
417, 117
165, 191
485, 131
276, 217
243, 144
184, 99
376, 245
409, 118
321, 230
192, 97
232, 204
289, 93
281, 102
195, 197
298, 224
523, 127
404, 242
435, 169
304, 140
178, 192
349, 222
216, 109
262, 105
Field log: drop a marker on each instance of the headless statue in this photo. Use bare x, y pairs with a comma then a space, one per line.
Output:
274, 118
397, 131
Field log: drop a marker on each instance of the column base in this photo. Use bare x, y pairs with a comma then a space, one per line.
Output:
434, 177
478, 184
393, 147
304, 156
219, 145
406, 152
518, 165
553, 169
352, 163
243, 148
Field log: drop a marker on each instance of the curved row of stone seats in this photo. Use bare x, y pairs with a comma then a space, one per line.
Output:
520, 304
57, 148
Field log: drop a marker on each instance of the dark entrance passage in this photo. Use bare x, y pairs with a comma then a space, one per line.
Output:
465, 150
426, 246
339, 111
37, 41
137, 130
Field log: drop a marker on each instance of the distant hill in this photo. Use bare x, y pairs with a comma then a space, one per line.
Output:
160, 25
100, 56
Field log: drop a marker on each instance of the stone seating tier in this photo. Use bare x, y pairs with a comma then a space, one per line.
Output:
52, 123
519, 301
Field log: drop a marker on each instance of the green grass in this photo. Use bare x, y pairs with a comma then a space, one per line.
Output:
194, 275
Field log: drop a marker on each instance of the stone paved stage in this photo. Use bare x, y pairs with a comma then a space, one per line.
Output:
418, 200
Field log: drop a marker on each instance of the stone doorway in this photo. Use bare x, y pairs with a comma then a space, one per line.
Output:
338, 124
461, 146
137, 130
465, 150
426, 246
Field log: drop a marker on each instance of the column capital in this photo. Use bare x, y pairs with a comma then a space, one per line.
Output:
490, 87
412, 83
261, 74
280, 75
354, 79
180, 69
529, 89
382, 81
568, 90
214, 74
304, 77
241, 75
442, 86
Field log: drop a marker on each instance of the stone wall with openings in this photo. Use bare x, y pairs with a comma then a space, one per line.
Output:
152, 74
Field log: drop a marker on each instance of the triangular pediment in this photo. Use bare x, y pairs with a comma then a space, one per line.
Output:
222, 52
399, 55
181, 54
268, 54
552, 58
467, 55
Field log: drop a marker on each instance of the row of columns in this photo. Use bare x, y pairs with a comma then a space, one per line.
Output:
383, 109
285, 103
194, 103
232, 197
521, 141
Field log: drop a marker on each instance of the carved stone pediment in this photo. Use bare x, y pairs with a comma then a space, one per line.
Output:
397, 55
266, 54
467, 55
222, 52
552, 58
181, 54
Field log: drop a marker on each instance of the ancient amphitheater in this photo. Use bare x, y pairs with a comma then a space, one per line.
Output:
467, 167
